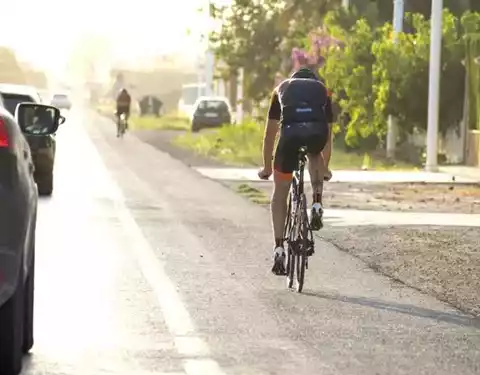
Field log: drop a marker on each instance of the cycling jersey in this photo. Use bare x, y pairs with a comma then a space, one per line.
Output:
304, 109
123, 102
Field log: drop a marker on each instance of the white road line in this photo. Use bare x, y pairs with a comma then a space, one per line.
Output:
176, 316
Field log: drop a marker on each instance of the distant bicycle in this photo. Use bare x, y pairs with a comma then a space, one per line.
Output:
121, 125
298, 234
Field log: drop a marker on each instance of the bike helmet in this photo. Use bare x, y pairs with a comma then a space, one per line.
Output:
305, 73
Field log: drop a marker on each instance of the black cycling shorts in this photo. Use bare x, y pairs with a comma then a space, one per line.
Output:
313, 136
121, 110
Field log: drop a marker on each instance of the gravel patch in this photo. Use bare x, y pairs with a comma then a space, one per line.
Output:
441, 261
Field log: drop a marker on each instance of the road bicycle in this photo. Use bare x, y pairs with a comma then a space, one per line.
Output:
297, 233
121, 125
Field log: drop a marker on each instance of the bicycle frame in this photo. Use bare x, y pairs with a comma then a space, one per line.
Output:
298, 233
297, 182
122, 123
297, 190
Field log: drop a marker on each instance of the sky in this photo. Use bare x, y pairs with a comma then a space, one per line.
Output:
49, 28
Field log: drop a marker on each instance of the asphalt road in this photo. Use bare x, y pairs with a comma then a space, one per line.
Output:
146, 267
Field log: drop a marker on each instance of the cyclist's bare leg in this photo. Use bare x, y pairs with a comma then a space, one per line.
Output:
327, 154
117, 115
317, 169
279, 206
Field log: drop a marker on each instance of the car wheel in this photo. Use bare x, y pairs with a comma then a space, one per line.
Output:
11, 319
195, 127
28, 299
45, 185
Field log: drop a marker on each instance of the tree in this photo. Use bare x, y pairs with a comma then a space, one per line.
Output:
10, 70
250, 37
381, 78
350, 70
403, 68
471, 24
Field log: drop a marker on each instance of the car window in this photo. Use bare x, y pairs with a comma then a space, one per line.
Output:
59, 96
214, 105
12, 100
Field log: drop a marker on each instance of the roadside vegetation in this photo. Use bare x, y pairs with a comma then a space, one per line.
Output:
241, 145
170, 121
371, 76
255, 195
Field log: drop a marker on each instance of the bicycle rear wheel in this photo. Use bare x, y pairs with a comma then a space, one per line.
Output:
301, 253
122, 129
290, 255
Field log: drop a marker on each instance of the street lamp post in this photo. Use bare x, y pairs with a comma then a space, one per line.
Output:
209, 58
434, 85
398, 15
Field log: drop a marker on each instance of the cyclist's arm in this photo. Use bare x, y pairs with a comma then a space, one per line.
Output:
271, 130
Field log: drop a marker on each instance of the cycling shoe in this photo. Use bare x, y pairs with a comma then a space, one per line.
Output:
279, 262
316, 217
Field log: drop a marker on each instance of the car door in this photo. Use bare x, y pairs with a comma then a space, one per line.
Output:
18, 202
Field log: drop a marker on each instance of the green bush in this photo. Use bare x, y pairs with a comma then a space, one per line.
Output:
377, 78
241, 145
171, 121
471, 23
233, 144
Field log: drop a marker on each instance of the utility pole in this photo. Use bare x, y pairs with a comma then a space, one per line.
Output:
209, 58
398, 15
434, 85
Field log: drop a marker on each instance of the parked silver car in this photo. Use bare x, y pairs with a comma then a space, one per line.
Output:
61, 101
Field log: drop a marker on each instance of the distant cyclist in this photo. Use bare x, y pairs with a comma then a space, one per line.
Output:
124, 102
301, 109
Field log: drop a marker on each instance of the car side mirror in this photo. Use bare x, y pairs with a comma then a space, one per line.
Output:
38, 119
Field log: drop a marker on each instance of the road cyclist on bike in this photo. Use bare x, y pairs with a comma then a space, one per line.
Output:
123, 104
301, 109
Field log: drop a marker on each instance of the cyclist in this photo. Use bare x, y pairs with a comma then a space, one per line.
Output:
301, 108
124, 101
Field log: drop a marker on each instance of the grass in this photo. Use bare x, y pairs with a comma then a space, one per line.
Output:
241, 145
351, 160
255, 195
170, 121
235, 145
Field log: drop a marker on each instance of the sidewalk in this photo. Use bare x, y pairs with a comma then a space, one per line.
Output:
462, 171
349, 218
449, 175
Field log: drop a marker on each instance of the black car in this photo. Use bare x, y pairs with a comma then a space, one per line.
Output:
43, 147
211, 112
18, 212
